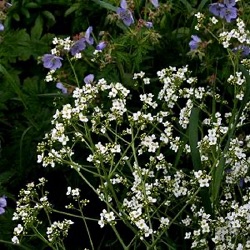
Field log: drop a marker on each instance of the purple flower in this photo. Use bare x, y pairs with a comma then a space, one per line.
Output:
125, 14
78, 46
226, 10
229, 13
215, 8
245, 50
89, 79
229, 3
87, 36
60, 86
194, 43
51, 62
155, 3
101, 45
3, 203
149, 25
1, 27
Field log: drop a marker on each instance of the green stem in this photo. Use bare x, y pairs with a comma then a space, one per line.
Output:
119, 238
86, 226
174, 219
12, 244
40, 236
72, 215
74, 72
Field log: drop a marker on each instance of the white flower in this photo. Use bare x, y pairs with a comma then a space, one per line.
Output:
15, 240
18, 229
68, 191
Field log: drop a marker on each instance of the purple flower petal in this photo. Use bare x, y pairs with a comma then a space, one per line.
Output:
88, 38
3, 202
229, 3
149, 25
89, 79
155, 3
60, 86
229, 13
78, 46
215, 8
124, 4
2, 210
1, 27
194, 43
101, 45
245, 50
126, 16
52, 62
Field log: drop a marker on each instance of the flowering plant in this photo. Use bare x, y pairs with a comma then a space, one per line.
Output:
164, 153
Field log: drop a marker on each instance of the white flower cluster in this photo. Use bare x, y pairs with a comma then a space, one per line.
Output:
74, 192
134, 144
200, 18
58, 230
60, 43
239, 34
240, 81
202, 178
106, 218
28, 207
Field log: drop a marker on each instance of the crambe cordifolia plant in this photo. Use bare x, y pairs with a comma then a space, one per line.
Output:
163, 152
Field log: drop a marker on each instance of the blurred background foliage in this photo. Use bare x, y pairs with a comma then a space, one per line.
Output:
27, 101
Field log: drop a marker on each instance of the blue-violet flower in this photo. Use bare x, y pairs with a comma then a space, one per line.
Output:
194, 43
87, 36
3, 204
89, 79
226, 10
78, 46
125, 14
148, 25
215, 8
155, 3
245, 50
229, 3
101, 45
51, 62
1, 27
229, 13
60, 86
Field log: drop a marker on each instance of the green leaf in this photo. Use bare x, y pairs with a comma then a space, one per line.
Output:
25, 12
105, 5
32, 5
5, 176
49, 16
217, 177
16, 17
188, 6
195, 154
193, 138
72, 9
181, 32
13, 84
202, 4
37, 29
